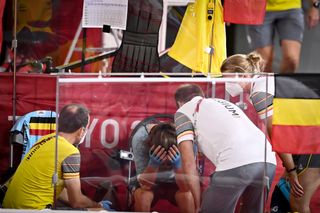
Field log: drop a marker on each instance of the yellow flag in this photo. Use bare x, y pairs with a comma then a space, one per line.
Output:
198, 36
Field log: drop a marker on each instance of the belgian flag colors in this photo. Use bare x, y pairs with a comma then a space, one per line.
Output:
296, 117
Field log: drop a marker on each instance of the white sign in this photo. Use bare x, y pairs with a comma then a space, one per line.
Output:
97, 13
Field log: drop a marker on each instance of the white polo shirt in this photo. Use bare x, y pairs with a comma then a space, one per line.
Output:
226, 135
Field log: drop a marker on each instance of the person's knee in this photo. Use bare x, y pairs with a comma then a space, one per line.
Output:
142, 199
184, 201
267, 55
143, 195
300, 208
268, 66
183, 196
290, 62
299, 205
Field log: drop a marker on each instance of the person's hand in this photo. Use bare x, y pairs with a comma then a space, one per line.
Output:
157, 156
174, 157
296, 188
106, 204
313, 17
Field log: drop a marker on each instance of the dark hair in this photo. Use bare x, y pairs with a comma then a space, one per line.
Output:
72, 117
188, 91
163, 134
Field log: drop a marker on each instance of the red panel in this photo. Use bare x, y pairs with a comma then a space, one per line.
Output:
296, 139
33, 92
244, 11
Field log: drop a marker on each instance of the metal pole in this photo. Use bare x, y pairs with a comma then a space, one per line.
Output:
55, 174
73, 44
211, 52
14, 47
84, 45
266, 180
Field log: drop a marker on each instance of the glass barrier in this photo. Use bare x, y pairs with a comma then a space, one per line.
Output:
128, 115
127, 79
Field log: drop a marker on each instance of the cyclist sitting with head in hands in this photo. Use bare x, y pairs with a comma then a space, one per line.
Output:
158, 165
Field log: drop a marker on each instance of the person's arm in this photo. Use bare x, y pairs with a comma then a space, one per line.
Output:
287, 160
185, 138
269, 126
263, 104
75, 198
313, 15
148, 177
184, 197
190, 171
175, 158
72, 193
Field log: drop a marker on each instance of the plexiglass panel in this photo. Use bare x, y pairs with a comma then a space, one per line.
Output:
229, 127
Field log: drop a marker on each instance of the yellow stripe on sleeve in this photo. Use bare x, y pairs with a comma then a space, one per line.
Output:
185, 133
71, 175
264, 110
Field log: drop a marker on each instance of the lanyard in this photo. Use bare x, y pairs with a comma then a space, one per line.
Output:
198, 154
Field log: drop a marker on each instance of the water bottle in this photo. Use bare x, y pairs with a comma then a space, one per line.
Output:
284, 186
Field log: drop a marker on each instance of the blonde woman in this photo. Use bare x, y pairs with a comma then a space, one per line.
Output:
302, 170
261, 90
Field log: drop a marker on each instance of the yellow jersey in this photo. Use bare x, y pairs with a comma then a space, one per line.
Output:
279, 5
201, 42
31, 186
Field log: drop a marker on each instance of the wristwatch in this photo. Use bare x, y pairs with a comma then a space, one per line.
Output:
316, 4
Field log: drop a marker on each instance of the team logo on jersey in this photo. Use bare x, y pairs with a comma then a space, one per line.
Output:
230, 107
